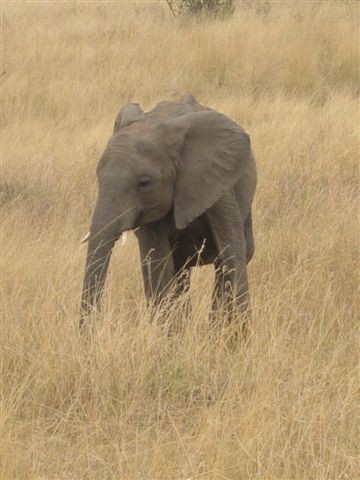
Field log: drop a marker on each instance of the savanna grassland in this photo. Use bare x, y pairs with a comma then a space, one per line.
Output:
126, 401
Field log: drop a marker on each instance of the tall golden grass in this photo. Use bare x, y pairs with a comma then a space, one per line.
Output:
126, 401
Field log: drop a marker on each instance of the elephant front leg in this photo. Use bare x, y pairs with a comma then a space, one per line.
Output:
230, 294
231, 284
156, 261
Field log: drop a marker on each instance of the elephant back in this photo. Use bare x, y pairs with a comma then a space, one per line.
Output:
166, 110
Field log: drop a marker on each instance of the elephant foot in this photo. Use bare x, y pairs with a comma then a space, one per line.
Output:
236, 319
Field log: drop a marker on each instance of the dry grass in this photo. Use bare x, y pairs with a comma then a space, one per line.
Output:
125, 401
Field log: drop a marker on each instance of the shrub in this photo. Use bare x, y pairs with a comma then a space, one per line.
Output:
196, 8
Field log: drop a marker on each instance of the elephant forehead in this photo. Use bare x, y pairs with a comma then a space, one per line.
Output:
136, 158
145, 142
149, 146
113, 164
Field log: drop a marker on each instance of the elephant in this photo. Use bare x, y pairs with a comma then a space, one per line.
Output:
182, 177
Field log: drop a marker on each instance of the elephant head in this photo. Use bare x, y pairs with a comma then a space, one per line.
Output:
178, 158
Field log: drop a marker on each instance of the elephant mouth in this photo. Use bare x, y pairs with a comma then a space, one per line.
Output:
150, 214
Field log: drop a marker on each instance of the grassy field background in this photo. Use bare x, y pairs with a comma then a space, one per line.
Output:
125, 401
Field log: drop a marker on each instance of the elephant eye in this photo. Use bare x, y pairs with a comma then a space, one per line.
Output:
145, 184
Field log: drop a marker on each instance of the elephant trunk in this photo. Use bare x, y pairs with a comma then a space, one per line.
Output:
103, 234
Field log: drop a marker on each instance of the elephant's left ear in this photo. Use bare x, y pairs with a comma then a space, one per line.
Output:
132, 112
212, 151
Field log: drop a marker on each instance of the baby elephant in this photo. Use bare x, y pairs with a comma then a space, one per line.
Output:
184, 177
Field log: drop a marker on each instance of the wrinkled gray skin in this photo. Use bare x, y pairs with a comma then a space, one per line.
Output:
185, 177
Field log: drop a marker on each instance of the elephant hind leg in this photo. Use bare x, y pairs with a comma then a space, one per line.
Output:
249, 236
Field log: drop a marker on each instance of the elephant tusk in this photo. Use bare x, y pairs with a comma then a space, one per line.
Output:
123, 238
85, 238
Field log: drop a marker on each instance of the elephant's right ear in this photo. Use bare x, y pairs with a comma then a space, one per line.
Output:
132, 112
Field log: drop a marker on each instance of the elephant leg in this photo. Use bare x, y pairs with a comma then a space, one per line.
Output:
182, 272
218, 294
179, 287
182, 285
249, 236
231, 283
156, 261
